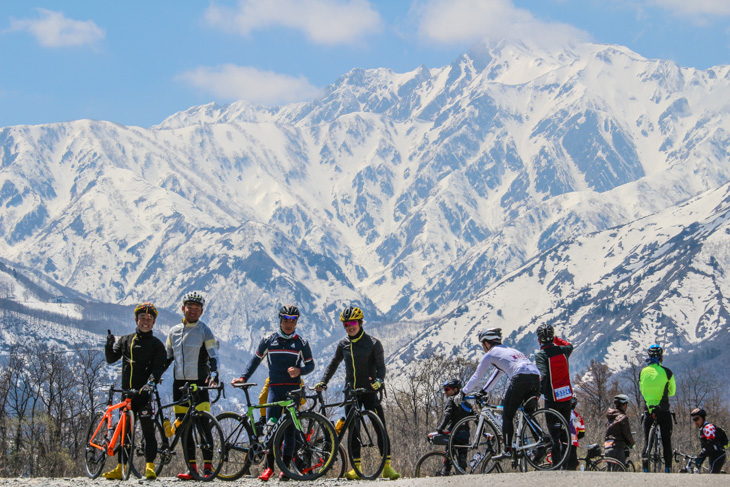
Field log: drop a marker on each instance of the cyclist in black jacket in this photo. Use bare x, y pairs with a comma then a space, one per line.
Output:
364, 367
453, 413
713, 447
142, 367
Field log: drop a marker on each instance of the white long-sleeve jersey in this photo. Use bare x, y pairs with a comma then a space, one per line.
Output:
506, 361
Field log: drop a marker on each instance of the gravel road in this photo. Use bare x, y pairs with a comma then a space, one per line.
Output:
531, 479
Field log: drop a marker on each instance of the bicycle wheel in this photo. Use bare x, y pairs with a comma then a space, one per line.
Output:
654, 453
339, 465
434, 464
313, 446
608, 464
126, 443
94, 457
367, 445
203, 444
472, 447
630, 467
545, 439
238, 435
139, 458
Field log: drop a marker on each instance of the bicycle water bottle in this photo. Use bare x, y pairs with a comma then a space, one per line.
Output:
475, 460
175, 426
340, 424
168, 428
269, 426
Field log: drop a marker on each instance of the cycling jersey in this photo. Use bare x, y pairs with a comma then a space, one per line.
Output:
144, 357
552, 362
657, 385
282, 352
711, 447
194, 349
506, 361
364, 360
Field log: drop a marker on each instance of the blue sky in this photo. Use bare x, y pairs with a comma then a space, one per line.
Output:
136, 62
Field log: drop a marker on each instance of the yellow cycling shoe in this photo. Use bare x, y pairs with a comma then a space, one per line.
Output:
352, 475
115, 474
389, 473
149, 472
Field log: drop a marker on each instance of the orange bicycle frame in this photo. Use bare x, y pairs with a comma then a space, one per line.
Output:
125, 406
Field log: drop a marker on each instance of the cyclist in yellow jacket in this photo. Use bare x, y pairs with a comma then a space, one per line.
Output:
657, 386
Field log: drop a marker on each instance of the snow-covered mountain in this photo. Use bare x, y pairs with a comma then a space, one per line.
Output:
409, 194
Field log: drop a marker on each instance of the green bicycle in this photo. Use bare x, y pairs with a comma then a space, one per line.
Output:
246, 444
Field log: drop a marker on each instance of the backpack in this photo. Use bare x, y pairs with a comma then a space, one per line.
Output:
721, 437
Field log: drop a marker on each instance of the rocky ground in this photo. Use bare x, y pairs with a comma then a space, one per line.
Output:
532, 479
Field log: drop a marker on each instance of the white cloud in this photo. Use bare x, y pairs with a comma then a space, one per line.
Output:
53, 29
322, 21
460, 21
231, 82
701, 8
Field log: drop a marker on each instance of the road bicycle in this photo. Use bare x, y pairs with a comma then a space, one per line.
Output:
652, 456
435, 463
246, 444
687, 463
367, 438
106, 439
596, 461
198, 432
542, 438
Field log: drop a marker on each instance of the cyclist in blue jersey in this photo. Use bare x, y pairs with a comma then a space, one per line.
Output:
289, 357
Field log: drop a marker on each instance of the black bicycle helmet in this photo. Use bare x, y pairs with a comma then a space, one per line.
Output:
655, 351
698, 412
545, 333
288, 310
491, 335
452, 384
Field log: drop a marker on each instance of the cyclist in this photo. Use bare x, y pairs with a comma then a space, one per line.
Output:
523, 375
143, 363
194, 349
657, 385
713, 441
577, 431
552, 362
452, 415
618, 429
364, 367
289, 357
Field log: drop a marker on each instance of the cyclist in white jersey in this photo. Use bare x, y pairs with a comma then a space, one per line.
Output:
523, 375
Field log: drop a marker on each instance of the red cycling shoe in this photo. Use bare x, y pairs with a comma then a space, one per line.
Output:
266, 475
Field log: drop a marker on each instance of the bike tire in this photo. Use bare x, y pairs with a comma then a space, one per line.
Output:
630, 467
547, 429
433, 464
126, 444
139, 461
203, 438
367, 435
608, 464
654, 456
468, 443
239, 437
314, 446
94, 458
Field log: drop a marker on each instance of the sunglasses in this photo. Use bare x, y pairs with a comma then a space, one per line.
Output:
289, 317
696, 418
350, 323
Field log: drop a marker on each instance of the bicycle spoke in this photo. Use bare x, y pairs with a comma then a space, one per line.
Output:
472, 447
545, 439
307, 454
